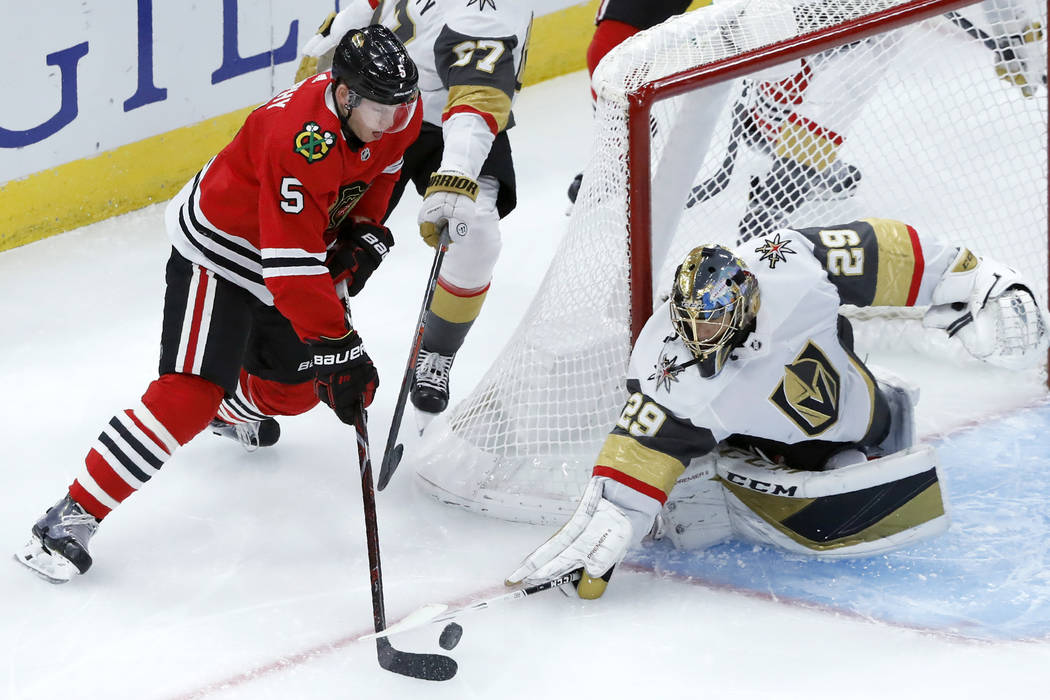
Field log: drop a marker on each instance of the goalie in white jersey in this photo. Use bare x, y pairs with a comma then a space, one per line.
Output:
750, 351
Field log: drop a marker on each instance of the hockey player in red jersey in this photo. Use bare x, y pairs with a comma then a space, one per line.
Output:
750, 351
266, 238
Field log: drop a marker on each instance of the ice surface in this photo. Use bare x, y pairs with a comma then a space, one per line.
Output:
239, 575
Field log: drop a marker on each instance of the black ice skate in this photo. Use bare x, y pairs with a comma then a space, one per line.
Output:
430, 384
252, 435
58, 550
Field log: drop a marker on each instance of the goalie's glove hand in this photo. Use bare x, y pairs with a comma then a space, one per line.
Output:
448, 201
990, 309
595, 539
357, 253
344, 374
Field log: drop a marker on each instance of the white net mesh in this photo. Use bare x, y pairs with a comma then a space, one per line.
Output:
940, 123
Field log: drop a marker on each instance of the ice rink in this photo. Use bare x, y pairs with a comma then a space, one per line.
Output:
238, 575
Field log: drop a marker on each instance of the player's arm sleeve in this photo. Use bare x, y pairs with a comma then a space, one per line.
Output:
649, 447
879, 262
481, 78
293, 215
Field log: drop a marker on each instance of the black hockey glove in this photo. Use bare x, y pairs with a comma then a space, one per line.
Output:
344, 374
357, 253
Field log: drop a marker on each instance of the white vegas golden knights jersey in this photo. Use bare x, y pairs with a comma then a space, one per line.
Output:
469, 53
795, 379
791, 381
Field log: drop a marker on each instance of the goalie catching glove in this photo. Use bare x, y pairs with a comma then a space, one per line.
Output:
448, 201
991, 309
610, 518
344, 374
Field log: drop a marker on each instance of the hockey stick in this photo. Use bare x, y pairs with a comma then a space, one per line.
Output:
439, 612
429, 667
394, 449
718, 182
976, 32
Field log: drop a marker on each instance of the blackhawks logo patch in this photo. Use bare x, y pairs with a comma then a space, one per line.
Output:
774, 249
312, 144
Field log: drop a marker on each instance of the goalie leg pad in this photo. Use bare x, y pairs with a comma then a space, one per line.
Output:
695, 516
859, 510
902, 396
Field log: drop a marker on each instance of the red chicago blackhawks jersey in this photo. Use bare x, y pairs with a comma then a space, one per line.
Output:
262, 212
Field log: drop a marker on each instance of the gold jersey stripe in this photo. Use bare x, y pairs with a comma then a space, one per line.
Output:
627, 455
815, 148
456, 309
482, 98
897, 262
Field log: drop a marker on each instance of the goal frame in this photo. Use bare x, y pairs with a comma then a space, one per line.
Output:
640, 102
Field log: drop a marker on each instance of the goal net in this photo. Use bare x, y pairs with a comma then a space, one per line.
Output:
726, 123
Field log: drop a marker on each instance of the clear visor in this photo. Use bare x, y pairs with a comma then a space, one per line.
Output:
386, 118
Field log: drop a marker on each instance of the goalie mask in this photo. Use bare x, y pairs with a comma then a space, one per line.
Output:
713, 305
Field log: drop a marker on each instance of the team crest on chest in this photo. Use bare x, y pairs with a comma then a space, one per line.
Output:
809, 392
313, 144
775, 250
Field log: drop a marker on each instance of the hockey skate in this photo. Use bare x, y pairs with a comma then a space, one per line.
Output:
252, 435
430, 383
58, 550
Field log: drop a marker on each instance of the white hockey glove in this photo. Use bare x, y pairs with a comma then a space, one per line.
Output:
595, 538
448, 201
991, 310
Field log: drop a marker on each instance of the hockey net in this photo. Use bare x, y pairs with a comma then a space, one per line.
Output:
897, 109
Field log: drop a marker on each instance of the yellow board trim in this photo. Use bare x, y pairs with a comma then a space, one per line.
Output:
896, 262
130, 177
454, 309
627, 455
115, 182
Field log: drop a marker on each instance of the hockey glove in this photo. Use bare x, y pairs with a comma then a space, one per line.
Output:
357, 254
448, 201
344, 374
595, 539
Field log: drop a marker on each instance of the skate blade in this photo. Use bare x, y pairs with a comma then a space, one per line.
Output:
50, 567
423, 419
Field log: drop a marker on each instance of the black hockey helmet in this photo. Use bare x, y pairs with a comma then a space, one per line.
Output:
375, 65
714, 303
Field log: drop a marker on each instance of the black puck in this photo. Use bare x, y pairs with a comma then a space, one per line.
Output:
450, 636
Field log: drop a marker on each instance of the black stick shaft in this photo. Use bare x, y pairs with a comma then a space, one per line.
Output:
392, 455
368, 498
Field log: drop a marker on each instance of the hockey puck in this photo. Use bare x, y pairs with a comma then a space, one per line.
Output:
450, 636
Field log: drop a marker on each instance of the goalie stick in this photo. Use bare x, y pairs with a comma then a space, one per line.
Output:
439, 612
394, 449
429, 667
